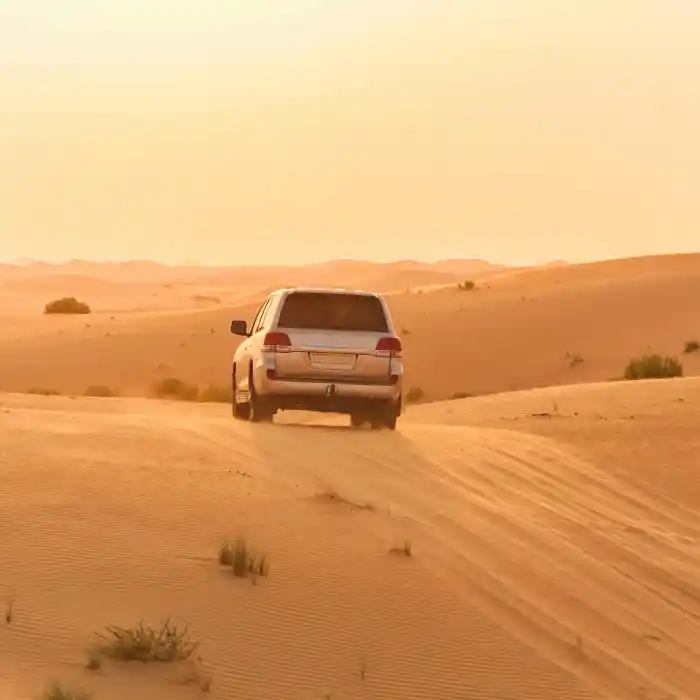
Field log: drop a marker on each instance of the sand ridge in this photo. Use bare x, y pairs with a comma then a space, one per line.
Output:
535, 571
518, 329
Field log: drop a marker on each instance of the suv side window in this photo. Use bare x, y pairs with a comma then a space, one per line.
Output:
269, 312
260, 318
256, 321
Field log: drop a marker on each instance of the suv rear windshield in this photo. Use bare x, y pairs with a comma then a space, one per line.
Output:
338, 312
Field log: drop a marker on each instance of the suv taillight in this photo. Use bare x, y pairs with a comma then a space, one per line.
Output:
277, 342
388, 346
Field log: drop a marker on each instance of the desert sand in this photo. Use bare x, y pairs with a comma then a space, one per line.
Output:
554, 532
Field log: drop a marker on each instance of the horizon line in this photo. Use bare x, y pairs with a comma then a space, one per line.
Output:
28, 262
25, 262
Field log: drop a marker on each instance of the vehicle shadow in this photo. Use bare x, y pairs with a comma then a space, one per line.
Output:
315, 426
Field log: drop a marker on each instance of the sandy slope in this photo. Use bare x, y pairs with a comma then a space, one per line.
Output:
542, 567
519, 329
644, 431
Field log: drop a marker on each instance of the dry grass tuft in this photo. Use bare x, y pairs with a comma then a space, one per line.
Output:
653, 367
56, 691
9, 610
38, 391
165, 644
404, 550
242, 559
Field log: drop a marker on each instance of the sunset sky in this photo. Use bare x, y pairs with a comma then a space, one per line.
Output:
290, 131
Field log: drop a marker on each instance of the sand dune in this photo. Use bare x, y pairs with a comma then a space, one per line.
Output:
554, 532
645, 431
521, 328
542, 567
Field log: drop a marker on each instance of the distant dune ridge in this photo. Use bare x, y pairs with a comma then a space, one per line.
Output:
518, 328
536, 544
147, 270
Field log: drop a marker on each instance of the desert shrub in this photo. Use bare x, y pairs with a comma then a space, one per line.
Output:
467, 285
415, 394
691, 346
206, 299
38, 391
461, 395
653, 367
174, 388
67, 305
100, 391
216, 394
142, 643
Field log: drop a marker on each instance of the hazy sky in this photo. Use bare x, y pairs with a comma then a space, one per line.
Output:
240, 131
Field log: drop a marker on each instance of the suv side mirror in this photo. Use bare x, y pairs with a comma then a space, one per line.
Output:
239, 328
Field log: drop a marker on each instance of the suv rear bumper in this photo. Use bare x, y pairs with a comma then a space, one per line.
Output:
328, 404
386, 392
284, 393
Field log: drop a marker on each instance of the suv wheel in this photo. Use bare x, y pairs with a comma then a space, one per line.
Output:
241, 411
357, 420
259, 412
385, 417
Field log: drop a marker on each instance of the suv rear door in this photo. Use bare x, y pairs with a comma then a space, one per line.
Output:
334, 337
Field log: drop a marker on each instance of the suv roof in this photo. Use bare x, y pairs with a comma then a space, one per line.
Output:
325, 290
329, 309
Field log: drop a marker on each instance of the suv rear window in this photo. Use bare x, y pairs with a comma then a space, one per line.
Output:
338, 312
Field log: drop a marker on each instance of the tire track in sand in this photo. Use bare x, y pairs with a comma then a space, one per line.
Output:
507, 516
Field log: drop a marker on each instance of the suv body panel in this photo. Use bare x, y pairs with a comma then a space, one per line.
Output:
326, 368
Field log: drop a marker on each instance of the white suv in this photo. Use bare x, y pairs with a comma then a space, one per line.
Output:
326, 350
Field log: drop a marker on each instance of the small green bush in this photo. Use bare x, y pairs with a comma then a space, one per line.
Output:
653, 367
67, 305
